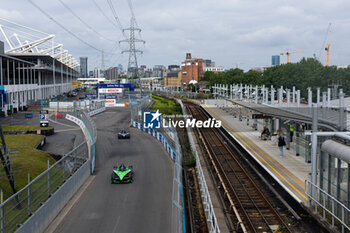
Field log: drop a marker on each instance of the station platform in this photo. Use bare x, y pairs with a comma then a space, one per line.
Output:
289, 170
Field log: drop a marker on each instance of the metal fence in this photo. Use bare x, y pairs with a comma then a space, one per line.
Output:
20, 206
176, 93
206, 199
91, 131
15, 210
177, 220
138, 108
169, 138
329, 207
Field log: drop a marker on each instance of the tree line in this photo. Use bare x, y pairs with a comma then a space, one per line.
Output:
306, 73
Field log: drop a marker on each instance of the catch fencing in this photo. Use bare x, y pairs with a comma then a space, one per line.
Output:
169, 139
33, 207
88, 127
178, 220
15, 210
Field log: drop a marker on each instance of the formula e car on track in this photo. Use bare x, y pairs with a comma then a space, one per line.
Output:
122, 174
123, 134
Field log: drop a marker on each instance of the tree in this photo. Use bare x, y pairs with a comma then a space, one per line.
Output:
306, 73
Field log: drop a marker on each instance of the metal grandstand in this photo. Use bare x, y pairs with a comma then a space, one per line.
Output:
23, 40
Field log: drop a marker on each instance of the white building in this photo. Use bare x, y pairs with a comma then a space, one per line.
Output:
33, 67
152, 83
214, 69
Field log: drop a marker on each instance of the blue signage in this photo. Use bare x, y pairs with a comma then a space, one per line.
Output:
91, 96
116, 85
110, 97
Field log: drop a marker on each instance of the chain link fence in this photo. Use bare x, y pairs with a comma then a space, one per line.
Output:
15, 210
139, 107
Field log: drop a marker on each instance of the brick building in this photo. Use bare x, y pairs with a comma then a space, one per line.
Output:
173, 80
192, 69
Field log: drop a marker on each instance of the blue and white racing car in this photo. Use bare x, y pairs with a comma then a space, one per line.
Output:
123, 134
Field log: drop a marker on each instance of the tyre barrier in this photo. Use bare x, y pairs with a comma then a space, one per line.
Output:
45, 132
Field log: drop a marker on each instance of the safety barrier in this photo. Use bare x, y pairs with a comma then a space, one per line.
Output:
170, 141
88, 127
22, 207
159, 137
206, 200
96, 111
33, 208
39, 221
178, 219
329, 207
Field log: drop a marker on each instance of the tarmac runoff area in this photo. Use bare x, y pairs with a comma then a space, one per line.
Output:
67, 134
142, 206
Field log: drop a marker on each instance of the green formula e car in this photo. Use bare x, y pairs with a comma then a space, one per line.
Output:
122, 174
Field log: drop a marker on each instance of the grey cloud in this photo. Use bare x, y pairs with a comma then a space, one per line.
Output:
227, 31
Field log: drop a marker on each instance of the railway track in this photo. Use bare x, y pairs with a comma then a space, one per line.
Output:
250, 207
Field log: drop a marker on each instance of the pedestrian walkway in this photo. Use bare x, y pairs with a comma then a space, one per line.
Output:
289, 170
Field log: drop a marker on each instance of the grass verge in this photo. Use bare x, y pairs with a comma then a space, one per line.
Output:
23, 127
28, 159
166, 106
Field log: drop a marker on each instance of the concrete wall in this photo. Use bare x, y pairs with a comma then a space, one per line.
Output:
41, 219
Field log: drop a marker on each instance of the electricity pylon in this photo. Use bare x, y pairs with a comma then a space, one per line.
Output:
132, 48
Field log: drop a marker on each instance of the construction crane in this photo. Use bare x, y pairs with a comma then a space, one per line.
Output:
289, 53
327, 49
324, 41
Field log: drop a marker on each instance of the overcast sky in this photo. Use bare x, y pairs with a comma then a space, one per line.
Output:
243, 33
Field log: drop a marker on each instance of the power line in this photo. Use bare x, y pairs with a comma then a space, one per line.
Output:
64, 28
103, 13
116, 16
132, 12
83, 22
133, 16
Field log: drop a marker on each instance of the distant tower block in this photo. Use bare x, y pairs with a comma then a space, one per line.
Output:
275, 60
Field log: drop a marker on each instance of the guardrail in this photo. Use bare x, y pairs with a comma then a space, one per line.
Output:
328, 206
206, 199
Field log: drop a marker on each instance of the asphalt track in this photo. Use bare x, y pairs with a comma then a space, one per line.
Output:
142, 206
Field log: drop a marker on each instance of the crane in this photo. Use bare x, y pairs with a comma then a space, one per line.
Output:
324, 41
327, 49
289, 53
